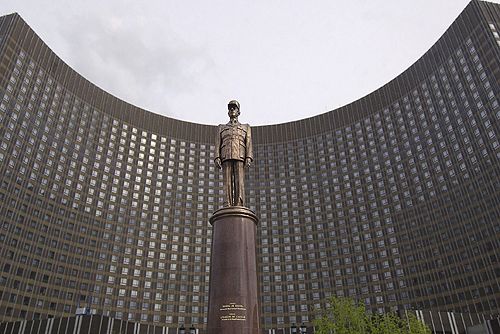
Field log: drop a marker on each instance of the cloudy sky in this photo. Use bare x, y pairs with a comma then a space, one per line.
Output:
283, 60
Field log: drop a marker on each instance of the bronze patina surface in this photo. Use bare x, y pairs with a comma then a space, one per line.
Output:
233, 151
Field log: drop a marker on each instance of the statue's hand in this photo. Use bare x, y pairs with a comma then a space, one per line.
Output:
218, 162
248, 162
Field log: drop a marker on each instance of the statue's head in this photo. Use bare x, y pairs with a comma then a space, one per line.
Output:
233, 108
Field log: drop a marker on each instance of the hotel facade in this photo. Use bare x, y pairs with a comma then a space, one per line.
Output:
393, 199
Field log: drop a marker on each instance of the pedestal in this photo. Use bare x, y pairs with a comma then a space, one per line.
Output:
233, 304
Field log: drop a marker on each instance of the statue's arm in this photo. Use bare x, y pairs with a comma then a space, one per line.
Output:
249, 153
217, 158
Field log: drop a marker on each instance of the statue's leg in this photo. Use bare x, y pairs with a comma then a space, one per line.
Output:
226, 180
234, 182
240, 176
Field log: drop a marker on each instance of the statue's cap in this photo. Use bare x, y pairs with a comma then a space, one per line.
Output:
234, 102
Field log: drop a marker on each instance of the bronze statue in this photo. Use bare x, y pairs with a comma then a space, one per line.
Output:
233, 151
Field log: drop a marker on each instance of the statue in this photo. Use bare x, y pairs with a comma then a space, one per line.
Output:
233, 151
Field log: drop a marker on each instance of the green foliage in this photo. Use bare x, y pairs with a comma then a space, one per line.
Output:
345, 316
385, 324
416, 326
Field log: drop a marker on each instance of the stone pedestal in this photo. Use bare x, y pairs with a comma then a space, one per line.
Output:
233, 305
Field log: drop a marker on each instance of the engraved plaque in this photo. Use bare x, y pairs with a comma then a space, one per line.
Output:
233, 312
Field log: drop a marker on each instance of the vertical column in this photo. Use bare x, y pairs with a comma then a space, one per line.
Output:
233, 305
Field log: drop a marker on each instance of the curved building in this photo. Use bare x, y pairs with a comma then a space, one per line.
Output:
393, 199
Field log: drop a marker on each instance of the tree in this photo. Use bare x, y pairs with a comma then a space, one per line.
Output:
387, 323
416, 326
345, 316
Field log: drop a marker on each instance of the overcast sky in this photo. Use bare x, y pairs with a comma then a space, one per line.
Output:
283, 60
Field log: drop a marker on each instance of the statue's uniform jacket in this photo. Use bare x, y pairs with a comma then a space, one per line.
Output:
234, 142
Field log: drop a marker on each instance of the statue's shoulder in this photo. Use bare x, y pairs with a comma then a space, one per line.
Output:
244, 127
